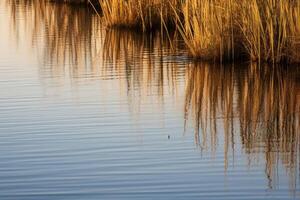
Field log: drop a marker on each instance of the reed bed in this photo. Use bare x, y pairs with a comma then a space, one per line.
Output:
256, 30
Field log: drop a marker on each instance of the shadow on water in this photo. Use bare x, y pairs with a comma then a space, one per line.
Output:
256, 106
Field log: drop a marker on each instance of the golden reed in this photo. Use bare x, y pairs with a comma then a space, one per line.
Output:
257, 30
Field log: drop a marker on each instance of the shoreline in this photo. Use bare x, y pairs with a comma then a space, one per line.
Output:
231, 32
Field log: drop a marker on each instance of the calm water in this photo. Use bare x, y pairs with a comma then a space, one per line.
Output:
91, 113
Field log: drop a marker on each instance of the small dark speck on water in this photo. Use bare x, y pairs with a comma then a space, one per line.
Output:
168, 137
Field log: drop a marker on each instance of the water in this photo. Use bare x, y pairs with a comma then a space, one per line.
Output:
93, 113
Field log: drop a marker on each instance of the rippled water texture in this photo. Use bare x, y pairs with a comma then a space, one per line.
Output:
94, 113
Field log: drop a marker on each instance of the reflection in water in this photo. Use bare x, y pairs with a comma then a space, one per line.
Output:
255, 106
260, 103
269, 111
70, 34
145, 63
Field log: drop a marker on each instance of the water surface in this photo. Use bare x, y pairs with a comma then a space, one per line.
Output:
93, 113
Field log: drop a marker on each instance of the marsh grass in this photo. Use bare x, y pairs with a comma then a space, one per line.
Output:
145, 14
259, 30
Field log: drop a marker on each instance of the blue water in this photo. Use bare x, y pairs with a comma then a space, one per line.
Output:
92, 113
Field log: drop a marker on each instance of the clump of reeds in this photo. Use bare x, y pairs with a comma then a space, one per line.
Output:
206, 27
261, 30
270, 30
146, 14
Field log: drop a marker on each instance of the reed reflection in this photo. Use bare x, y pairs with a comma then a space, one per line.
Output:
269, 110
75, 44
144, 62
73, 37
260, 103
64, 34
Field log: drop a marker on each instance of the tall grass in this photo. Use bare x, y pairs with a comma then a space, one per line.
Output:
146, 14
206, 27
270, 29
259, 30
